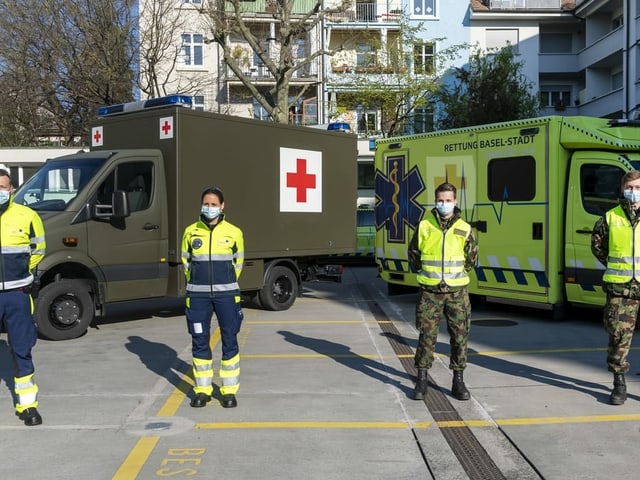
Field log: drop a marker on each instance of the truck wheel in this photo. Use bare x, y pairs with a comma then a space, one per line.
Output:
64, 310
280, 289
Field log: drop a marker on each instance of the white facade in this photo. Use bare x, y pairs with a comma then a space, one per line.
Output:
582, 56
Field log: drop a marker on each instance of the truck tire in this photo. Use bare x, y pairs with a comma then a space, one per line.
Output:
64, 310
280, 289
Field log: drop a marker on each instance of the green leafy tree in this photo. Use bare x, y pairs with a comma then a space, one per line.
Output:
490, 89
401, 84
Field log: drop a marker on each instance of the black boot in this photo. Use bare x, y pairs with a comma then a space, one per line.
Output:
30, 417
458, 389
421, 384
619, 392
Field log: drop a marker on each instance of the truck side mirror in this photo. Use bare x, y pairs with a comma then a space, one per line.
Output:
120, 204
119, 207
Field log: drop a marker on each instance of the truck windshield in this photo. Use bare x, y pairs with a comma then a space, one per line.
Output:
57, 183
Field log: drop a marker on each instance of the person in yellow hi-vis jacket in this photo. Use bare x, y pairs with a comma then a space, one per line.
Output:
213, 255
22, 247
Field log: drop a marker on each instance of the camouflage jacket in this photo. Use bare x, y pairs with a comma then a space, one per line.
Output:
600, 249
470, 251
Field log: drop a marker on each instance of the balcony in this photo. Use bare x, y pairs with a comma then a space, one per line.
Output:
369, 12
260, 75
267, 7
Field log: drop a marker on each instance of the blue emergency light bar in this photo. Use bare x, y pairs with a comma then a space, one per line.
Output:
171, 100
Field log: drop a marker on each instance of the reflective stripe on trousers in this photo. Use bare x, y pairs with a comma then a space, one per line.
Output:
203, 376
27, 393
230, 375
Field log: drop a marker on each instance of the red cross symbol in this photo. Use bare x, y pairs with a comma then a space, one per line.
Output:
97, 136
166, 127
301, 180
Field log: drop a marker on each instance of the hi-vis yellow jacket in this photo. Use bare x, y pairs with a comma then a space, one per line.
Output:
22, 245
213, 256
442, 253
623, 262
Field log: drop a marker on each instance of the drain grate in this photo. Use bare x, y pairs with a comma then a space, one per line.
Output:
474, 459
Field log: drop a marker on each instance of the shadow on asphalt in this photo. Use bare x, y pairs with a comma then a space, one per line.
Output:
345, 356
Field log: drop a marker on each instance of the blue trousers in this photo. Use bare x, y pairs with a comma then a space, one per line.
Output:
199, 311
15, 312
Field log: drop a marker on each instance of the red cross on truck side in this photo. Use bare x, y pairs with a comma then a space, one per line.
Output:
301, 180
166, 126
97, 136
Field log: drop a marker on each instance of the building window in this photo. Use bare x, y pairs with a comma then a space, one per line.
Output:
365, 55
617, 22
194, 2
424, 8
423, 58
558, 97
555, 43
367, 122
192, 48
422, 120
497, 39
198, 102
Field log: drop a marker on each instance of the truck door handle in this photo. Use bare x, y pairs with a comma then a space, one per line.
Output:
584, 230
151, 226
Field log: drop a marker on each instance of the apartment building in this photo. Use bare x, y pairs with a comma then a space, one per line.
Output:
360, 34
582, 56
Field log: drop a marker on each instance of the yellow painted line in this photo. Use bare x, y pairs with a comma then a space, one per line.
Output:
136, 459
308, 322
400, 425
275, 425
465, 423
566, 420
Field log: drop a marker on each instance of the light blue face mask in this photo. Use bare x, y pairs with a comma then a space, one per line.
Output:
210, 212
445, 209
632, 195
4, 196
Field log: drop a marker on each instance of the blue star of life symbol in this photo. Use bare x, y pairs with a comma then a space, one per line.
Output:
396, 193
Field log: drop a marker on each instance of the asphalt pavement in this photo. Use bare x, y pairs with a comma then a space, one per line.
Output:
325, 394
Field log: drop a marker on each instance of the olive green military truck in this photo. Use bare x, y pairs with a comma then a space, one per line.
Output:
114, 216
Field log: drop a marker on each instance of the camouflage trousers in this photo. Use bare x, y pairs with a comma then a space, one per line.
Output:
620, 315
456, 308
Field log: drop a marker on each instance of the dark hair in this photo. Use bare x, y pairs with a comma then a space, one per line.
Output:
446, 187
5, 173
212, 190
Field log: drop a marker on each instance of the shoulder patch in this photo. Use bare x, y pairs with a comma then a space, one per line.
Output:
196, 243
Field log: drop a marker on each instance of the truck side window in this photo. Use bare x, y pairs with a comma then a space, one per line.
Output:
134, 178
599, 187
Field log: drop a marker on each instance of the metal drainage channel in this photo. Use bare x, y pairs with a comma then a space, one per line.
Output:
474, 459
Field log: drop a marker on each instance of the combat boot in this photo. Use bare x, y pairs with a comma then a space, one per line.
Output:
458, 389
421, 384
619, 392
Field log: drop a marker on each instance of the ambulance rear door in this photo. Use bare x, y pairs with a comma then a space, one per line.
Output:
511, 215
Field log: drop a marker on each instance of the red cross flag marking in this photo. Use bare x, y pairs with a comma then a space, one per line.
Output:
300, 180
97, 138
166, 127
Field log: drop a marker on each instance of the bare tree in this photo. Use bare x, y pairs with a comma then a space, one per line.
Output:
162, 22
227, 22
65, 58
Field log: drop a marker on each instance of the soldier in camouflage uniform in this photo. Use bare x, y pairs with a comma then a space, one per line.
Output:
443, 250
616, 244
